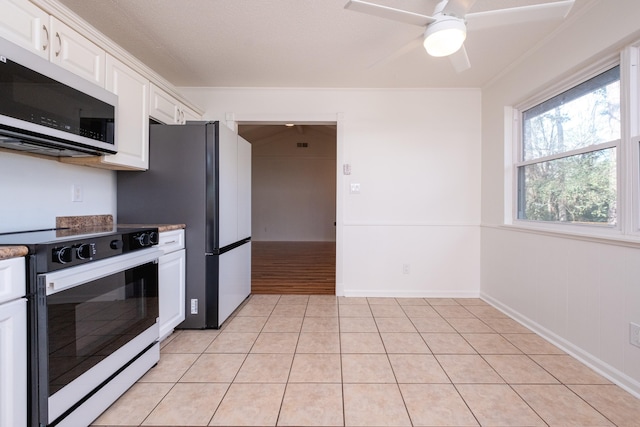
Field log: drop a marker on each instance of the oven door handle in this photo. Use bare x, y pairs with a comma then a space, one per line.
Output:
75, 276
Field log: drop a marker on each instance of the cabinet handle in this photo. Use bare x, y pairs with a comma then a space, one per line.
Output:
59, 43
172, 241
46, 33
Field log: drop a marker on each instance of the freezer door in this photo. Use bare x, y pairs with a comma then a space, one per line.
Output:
234, 279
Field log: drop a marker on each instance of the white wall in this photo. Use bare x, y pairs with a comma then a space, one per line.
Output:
581, 294
293, 192
33, 191
416, 154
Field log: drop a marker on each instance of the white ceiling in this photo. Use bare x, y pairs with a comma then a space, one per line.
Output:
299, 43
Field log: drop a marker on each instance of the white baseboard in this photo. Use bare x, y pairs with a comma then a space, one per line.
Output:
609, 372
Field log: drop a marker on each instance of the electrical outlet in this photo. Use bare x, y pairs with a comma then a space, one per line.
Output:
76, 193
406, 268
355, 188
634, 334
194, 306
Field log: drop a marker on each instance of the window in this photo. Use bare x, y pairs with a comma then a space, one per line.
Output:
568, 156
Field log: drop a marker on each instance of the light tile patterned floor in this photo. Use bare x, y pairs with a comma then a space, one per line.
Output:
298, 360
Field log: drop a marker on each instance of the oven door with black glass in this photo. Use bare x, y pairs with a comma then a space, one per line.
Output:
95, 320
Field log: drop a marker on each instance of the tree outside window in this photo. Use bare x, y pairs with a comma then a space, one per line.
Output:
567, 172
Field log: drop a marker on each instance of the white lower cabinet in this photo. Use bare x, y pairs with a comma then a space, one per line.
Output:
171, 281
13, 343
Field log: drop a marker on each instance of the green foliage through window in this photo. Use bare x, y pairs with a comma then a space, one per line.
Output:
567, 171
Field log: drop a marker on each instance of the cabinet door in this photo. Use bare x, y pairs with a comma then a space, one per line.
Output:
171, 241
12, 279
13, 363
26, 25
72, 51
132, 116
171, 291
13, 343
163, 107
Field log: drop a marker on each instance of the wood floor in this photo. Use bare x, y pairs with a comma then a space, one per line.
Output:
293, 268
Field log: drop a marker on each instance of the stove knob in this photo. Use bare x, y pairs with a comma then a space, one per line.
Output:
153, 238
86, 251
144, 239
116, 244
63, 255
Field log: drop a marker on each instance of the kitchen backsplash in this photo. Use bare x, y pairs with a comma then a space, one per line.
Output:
34, 191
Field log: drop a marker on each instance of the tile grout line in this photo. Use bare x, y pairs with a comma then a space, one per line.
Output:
466, 339
286, 385
243, 361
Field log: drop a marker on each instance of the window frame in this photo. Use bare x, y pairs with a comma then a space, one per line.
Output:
627, 150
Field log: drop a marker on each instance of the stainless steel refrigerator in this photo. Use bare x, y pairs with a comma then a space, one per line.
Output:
199, 175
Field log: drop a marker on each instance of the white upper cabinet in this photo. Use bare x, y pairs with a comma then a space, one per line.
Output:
168, 110
82, 51
26, 25
133, 115
72, 51
162, 106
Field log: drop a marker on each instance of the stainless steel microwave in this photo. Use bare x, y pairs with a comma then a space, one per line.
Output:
45, 109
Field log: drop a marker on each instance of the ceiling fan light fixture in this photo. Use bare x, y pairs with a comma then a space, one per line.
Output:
445, 36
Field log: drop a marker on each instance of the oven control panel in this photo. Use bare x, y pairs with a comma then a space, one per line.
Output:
140, 239
81, 250
69, 254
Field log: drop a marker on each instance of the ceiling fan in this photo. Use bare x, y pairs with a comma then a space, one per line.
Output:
446, 31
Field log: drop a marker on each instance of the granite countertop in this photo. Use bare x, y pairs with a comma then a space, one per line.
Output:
7, 252
85, 221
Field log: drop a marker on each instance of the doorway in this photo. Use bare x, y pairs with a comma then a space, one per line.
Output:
293, 207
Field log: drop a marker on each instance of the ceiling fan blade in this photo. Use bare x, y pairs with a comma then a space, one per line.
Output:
400, 52
460, 60
518, 15
389, 13
458, 8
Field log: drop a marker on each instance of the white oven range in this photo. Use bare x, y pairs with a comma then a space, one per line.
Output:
92, 318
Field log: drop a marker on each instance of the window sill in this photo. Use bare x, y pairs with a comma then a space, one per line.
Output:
611, 237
